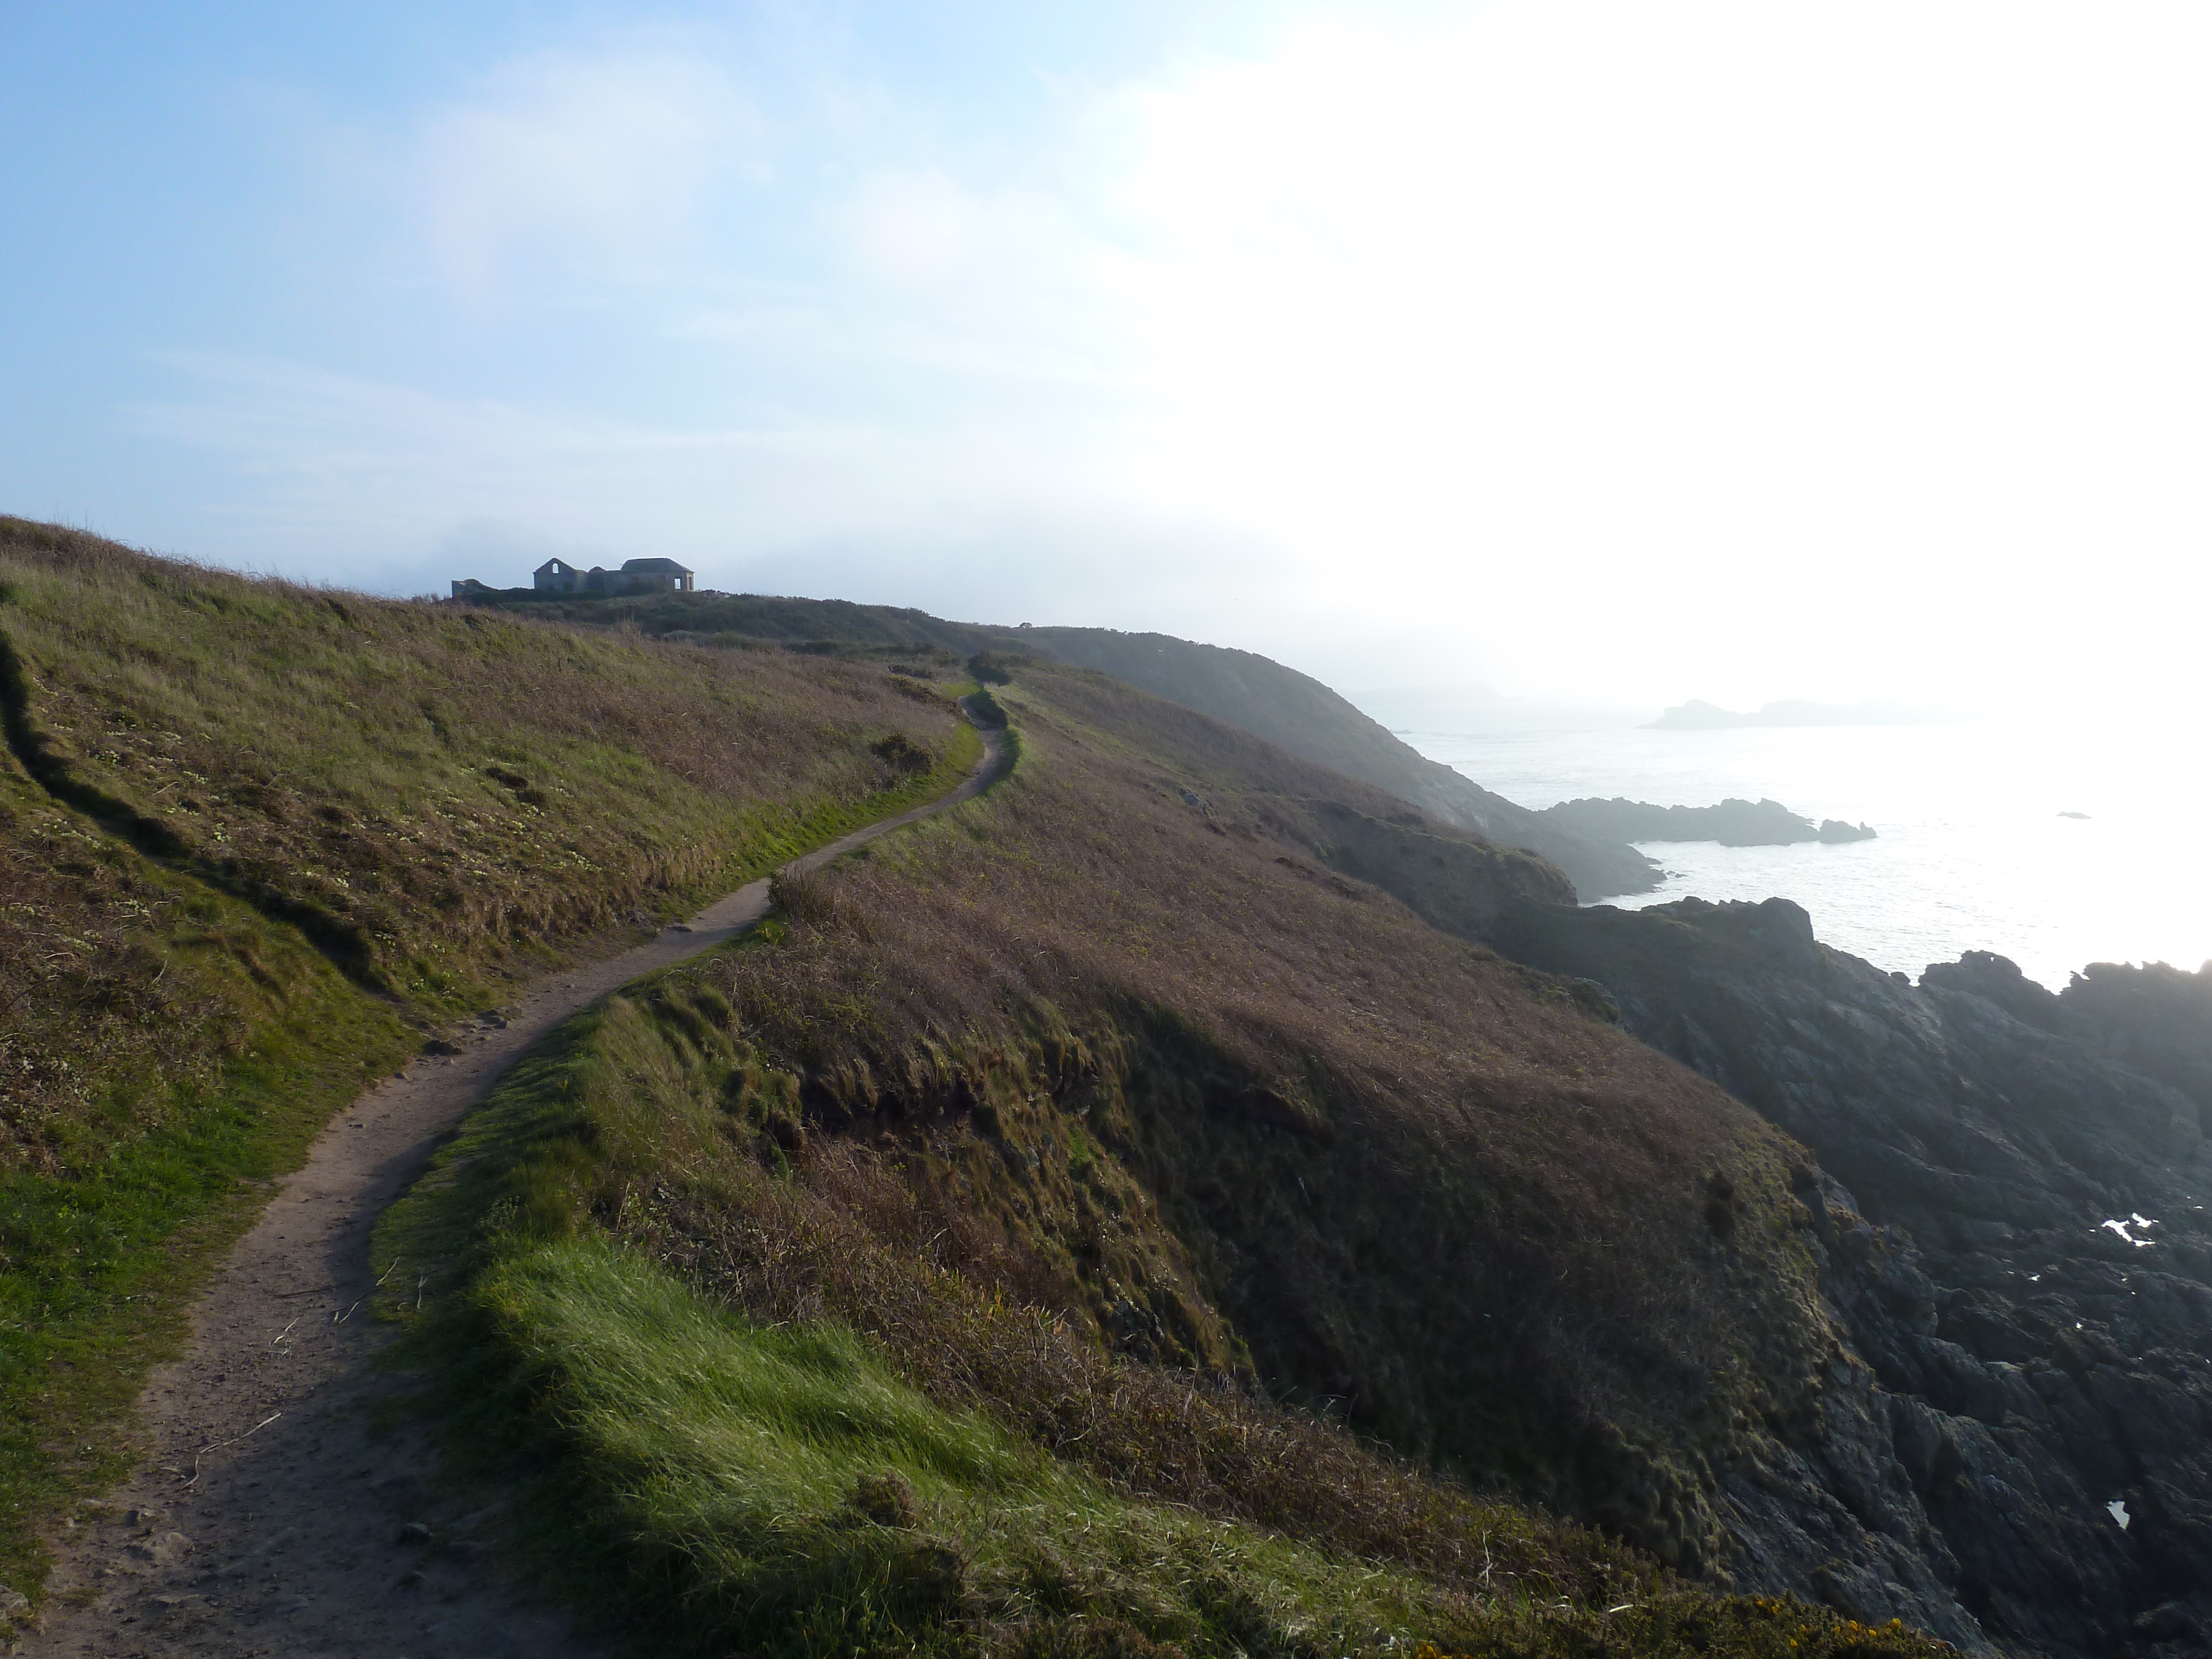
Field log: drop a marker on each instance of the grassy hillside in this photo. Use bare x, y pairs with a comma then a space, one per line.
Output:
998, 1253
1262, 696
1129, 1215
1249, 691
260, 840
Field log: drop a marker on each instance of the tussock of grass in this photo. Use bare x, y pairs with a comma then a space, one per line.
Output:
793, 1229
738, 1465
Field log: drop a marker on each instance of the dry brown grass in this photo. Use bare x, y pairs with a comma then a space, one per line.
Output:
436, 795
257, 840
1151, 1072
86, 998
974, 1321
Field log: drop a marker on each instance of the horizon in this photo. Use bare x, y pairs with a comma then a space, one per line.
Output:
1600, 354
1462, 696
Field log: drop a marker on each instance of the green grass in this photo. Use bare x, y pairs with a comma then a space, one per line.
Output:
903, 1278
263, 840
693, 1480
719, 1467
752, 1404
432, 793
102, 1248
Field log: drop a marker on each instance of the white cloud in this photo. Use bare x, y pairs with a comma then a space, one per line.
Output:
597, 162
404, 490
1830, 337
1700, 348
998, 283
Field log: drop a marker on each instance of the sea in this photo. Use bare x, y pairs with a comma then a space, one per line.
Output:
2054, 843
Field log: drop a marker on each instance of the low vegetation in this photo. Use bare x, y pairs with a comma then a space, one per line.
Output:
1249, 691
762, 623
261, 841
1094, 1224
1125, 1217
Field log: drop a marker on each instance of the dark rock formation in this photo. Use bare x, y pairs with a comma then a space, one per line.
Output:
1461, 886
2154, 1019
2010, 1228
1732, 823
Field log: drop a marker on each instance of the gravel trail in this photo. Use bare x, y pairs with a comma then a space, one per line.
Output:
276, 1509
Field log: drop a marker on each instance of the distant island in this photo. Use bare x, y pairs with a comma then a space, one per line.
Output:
1732, 823
1697, 716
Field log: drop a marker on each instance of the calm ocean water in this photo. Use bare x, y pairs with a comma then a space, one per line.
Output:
1973, 853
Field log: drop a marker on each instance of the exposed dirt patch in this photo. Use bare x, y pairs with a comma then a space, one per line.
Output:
270, 1515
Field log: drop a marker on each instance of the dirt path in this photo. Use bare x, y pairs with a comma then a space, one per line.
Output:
267, 1518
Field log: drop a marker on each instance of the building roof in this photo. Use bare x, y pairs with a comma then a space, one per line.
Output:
553, 567
662, 567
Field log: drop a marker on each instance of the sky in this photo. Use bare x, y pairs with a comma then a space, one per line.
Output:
1596, 350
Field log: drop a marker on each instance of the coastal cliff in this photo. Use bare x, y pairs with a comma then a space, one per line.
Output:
1173, 1106
985, 1257
2010, 1228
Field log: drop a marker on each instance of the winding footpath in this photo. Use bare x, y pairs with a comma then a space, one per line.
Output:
287, 1502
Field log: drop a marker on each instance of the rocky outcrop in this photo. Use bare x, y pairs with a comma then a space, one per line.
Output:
1460, 885
2155, 1019
1732, 823
2017, 1438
